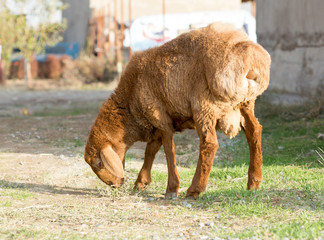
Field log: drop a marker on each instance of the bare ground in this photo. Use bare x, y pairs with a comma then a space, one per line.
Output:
54, 194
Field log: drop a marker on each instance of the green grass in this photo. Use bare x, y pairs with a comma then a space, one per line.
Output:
78, 142
292, 208
17, 194
6, 204
73, 110
15, 191
291, 200
283, 143
289, 204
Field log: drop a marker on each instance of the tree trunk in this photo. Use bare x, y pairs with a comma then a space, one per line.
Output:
2, 73
27, 73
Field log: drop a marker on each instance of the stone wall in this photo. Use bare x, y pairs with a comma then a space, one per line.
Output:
293, 33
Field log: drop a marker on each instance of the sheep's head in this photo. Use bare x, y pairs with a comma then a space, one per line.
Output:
105, 162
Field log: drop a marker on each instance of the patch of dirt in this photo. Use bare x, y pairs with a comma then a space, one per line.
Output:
42, 135
47, 121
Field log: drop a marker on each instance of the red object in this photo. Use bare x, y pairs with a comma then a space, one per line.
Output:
17, 68
51, 68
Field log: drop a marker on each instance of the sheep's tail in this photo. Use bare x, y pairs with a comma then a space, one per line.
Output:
257, 67
243, 73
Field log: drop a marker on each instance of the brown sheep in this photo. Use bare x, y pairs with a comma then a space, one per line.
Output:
207, 79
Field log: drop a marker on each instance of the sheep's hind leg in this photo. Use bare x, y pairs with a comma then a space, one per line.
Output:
144, 176
253, 131
208, 148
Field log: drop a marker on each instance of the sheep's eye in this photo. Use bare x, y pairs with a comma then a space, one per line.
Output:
100, 165
97, 164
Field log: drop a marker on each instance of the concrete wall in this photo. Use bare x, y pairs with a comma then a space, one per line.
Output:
293, 33
77, 16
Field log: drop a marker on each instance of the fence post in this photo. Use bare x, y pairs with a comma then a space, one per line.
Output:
129, 28
2, 75
163, 16
119, 65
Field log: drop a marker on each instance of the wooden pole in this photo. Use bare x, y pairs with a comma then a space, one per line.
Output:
2, 77
117, 48
99, 42
253, 8
122, 27
115, 30
103, 36
163, 15
129, 27
109, 29
92, 30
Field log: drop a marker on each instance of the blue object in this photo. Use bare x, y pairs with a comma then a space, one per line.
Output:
41, 57
64, 48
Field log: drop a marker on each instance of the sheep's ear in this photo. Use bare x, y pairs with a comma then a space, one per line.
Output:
112, 162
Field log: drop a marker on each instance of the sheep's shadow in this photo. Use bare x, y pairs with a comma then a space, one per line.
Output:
49, 189
292, 199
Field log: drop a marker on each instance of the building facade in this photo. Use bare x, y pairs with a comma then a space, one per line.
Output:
293, 33
77, 15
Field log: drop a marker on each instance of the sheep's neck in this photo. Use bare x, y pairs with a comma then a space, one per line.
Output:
117, 123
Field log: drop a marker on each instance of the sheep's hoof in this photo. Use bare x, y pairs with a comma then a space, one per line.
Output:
253, 184
171, 195
192, 192
192, 195
141, 183
140, 186
191, 198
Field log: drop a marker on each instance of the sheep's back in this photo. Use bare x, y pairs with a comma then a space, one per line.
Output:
212, 62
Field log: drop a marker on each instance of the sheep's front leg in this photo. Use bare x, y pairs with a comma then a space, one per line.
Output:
173, 176
208, 148
144, 177
160, 119
253, 131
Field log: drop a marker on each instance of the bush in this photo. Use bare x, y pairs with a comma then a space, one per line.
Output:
94, 70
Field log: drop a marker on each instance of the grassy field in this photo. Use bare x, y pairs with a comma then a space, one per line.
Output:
53, 195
